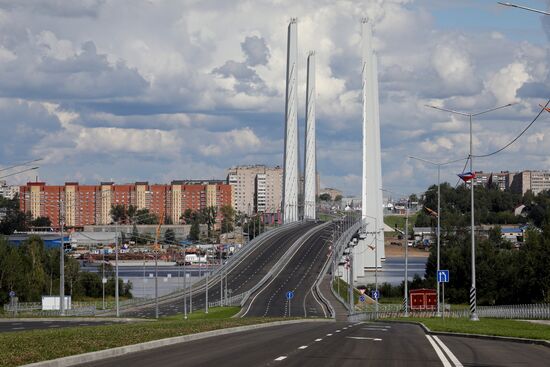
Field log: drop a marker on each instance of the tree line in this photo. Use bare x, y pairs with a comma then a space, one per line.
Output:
505, 273
31, 270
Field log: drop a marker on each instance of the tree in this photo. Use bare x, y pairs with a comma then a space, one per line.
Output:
41, 222
135, 235
195, 231
208, 216
187, 216
143, 216
325, 197
338, 198
132, 210
170, 236
118, 213
228, 218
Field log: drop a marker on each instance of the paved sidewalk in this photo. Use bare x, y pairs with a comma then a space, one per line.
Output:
340, 310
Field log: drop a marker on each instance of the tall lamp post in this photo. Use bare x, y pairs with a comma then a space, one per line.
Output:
473, 297
438, 165
524, 7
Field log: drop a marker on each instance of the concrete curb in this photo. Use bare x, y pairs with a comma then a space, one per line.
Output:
545, 343
120, 351
74, 319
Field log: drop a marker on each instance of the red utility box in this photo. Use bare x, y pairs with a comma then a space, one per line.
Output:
423, 299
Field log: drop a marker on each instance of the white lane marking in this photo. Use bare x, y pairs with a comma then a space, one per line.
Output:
337, 331
17, 328
450, 354
54, 326
318, 340
345, 328
329, 334
373, 329
303, 347
280, 358
439, 352
364, 338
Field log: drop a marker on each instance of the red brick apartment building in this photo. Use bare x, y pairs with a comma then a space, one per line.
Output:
90, 204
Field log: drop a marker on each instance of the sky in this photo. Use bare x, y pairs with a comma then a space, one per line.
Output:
159, 90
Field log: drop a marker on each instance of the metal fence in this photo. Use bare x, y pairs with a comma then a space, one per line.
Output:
537, 311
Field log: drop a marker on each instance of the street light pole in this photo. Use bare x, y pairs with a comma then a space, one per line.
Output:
473, 297
438, 220
524, 7
407, 260
116, 271
62, 264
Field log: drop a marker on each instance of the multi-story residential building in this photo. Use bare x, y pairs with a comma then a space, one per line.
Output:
82, 205
256, 188
536, 181
502, 180
8, 191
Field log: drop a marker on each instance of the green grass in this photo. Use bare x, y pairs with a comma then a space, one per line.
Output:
399, 220
487, 326
17, 348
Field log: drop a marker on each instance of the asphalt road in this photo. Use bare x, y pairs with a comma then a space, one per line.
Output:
337, 344
6, 326
240, 279
298, 276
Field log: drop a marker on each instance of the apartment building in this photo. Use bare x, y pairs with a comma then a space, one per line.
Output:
8, 191
256, 188
82, 205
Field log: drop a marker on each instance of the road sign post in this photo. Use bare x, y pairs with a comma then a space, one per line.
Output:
443, 277
289, 296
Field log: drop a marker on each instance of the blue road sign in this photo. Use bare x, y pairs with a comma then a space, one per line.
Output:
375, 294
289, 295
443, 276
362, 298
12, 294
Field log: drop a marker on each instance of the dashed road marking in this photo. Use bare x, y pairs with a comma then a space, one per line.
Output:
17, 328
280, 358
364, 338
318, 340
337, 331
329, 334
303, 347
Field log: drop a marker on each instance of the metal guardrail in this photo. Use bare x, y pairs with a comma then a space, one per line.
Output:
282, 260
200, 284
537, 311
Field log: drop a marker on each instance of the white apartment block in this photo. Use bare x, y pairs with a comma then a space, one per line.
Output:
8, 191
256, 188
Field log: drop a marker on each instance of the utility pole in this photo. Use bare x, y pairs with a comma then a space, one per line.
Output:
206, 303
116, 272
407, 260
62, 262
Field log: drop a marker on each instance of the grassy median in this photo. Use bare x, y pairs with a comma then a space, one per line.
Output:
17, 348
486, 326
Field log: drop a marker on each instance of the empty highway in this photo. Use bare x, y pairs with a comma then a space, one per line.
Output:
298, 275
240, 278
338, 344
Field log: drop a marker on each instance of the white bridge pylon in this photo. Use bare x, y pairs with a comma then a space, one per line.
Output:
372, 237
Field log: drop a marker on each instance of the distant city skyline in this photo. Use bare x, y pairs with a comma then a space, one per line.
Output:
189, 88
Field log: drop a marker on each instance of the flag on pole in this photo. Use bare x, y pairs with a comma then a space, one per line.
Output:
466, 176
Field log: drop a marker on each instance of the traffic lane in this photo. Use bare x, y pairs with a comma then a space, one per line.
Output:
485, 352
6, 326
362, 344
271, 299
250, 272
248, 348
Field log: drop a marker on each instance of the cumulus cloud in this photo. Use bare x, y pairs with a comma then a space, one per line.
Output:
256, 51
187, 89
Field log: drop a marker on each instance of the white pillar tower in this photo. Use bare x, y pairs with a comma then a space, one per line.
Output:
310, 148
290, 187
372, 214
